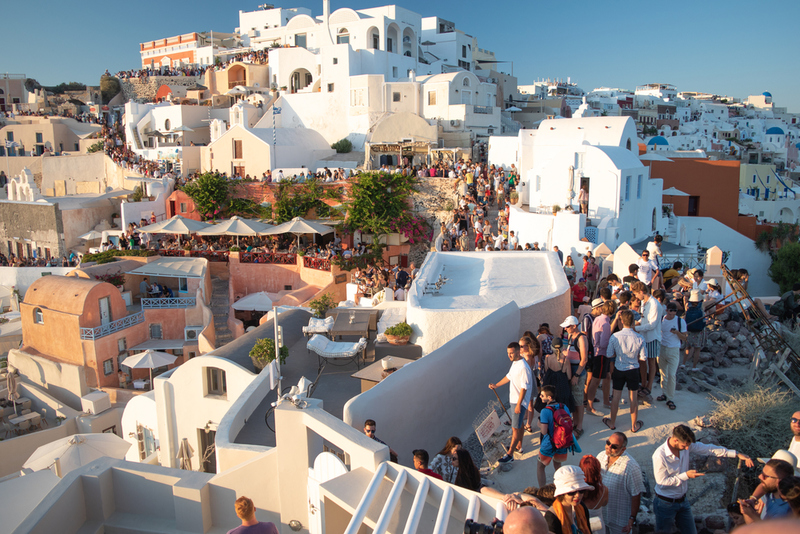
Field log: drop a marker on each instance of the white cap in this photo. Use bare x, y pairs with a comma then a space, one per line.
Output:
568, 479
694, 296
570, 321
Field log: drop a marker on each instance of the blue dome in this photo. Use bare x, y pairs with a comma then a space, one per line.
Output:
775, 131
658, 140
767, 93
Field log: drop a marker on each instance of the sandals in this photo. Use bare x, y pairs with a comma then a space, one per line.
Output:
596, 413
644, 392
662, 398
638, 427
578, 433
607, 421
528, 429
671, 405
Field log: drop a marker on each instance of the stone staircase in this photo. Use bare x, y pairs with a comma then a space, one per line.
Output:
219, 307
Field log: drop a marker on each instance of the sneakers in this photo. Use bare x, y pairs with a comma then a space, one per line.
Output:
505, 459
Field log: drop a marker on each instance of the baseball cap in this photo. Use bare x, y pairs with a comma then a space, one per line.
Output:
570, 321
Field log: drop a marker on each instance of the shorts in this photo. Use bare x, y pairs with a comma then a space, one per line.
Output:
630, 378
653, 348
547, 451
696, 339
601, 366
577, 389
518, 419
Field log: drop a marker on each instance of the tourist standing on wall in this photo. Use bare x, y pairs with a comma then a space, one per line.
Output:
520, 380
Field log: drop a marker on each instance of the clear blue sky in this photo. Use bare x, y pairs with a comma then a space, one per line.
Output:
735, 48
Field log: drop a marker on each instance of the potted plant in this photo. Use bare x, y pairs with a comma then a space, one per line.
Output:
283, 88
322, 304
399, 334
514, 197
263, 352
234, 248
556, 209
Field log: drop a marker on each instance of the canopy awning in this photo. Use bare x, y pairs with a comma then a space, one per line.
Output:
161, 344
173, 268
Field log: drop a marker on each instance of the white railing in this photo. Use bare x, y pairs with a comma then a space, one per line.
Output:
113, 326
168, 303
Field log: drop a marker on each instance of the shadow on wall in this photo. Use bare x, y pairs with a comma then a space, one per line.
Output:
444, 391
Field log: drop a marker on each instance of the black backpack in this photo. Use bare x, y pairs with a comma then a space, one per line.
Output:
695, 322
586, 323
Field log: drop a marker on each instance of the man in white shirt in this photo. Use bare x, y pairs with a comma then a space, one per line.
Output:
671, 472
399, 293
513, 241
519, 378
649, 326
647, 268
673, 331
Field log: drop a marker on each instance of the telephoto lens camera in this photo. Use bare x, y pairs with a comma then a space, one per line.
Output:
471, 527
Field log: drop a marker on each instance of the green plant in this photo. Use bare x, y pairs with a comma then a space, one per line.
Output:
373, 256
400, 330
209, 193
115, 279
514, 197
264, 352
556, 208
95, 147
342, 146
448, 206
296, 200
110, 255
301, 253
785, 268
235, 248
322, 304
138, 193
379, 200
109, 88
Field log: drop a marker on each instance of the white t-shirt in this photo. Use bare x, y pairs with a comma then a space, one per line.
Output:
668, 339
513, 241
498, 241
794, 448
647, 269
654, 249
520, 377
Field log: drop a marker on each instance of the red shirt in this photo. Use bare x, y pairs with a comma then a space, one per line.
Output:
578, 293
430, 473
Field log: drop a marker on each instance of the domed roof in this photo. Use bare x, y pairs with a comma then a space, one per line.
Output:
775, 131
658, 140
767, 93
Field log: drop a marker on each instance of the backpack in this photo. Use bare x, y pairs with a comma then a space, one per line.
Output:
586, 324
562, 427
694, 319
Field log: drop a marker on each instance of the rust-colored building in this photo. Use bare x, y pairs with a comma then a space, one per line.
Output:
179, 203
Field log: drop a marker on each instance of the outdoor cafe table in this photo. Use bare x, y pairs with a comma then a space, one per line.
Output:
343, 327
21, 418
372, 374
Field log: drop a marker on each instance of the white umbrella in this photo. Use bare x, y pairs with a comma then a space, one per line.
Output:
175, 225
237, 226
93, 234
299, 226
185, 453
512, 108
74, 451
182, 128
11, 385
149, 359
673, 192
254, 302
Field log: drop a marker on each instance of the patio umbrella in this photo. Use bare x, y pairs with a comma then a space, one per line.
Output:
149, 359
673, 192
93, 234
512, 109
72, 452
299, 226
254, 302
237, 226
11, 385
185, 453
175, 225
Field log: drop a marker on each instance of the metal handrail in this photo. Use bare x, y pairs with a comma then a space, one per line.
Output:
321, 264
169, 302
283, 258
114, 326
210, 255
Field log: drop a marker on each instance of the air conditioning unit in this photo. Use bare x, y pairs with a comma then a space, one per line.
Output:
95, 402
455, 122
191, 333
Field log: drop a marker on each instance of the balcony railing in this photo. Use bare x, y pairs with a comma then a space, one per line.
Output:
284, 258
113, 326
170, 253
210, 255
168, 303
321, 264
483, 110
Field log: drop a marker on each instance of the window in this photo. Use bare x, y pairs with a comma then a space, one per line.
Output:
215, 382
768, 178
300, 40
108, 367
431, 98
330, 87
183, 207
183, 285
122, 344
38, 316
237, 149
343, 37
395, 97
389, 46
466, 82
375, 41
155, 331
627, 188
336, 61
463, 50
167, 125
39, 138
394, 72
639, 186
538, 183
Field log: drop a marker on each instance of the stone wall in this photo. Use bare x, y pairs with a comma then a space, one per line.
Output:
39, 223
137, 91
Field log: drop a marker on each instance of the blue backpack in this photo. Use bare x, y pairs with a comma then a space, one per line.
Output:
695, 322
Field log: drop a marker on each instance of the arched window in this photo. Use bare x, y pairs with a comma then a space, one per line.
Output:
167, 125
628, 144
38, 316
466, 82
343, 37
654, 220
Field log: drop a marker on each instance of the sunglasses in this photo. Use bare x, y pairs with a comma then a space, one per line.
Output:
612, 446
578, 492
795, 420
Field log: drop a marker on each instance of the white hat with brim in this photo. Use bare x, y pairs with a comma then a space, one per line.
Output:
694, 296
569, 321
570, 478
786, 456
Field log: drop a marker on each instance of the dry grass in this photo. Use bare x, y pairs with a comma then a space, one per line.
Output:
755, 420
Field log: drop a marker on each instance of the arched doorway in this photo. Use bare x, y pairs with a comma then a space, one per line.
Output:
392, 38
300, 79
373, 38
237, 75
787, 215
409, 43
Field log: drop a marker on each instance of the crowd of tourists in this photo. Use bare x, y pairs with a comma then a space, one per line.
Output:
257, 57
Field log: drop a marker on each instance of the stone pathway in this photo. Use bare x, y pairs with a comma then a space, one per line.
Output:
219, 307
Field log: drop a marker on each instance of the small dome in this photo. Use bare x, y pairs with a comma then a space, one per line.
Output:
767, 93
658, 140
775, 131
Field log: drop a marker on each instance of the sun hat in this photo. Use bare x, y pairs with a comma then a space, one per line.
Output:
712, 282
786, 456
585, 299
694, 296
568, 479
570, 321
597, 302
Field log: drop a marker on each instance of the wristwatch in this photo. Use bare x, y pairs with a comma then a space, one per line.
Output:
633, 518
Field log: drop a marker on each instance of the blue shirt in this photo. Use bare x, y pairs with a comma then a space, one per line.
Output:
628, 347
775, 507
546, 416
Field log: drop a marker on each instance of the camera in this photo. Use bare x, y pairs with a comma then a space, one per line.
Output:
471, 527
